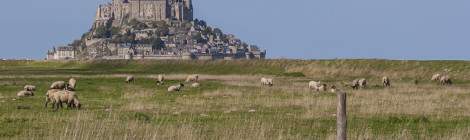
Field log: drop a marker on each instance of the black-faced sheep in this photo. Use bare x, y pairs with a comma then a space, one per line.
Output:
175, 88
445, 80
267, 81
130, 79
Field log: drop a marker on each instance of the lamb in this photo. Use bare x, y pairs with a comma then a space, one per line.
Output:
72, 84
59, 85
318, 86
25, 93
267, 81
386, 81
130, 79
436, 77
192, 78
30, 88
175, 88
160, 79
195, 85
445, 80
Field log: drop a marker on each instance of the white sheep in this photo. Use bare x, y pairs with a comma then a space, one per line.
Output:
63, 96
130, 79
72, 84
195, 85
192, 78
267, 81
175, 88
59, 85
386, 81
317, 86
25, 93
445, 80
160, 79
436, 77
363, 83
29, 88
49, 95
333, 89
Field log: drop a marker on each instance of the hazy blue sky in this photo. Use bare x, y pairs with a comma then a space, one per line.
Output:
393, 29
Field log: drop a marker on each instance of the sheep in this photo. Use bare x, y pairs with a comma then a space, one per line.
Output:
130, 79
386, 81
25, 93
192, 78
175, 88
363, 83
445, 80
436, 77
267, 81
195, 85
30, 88
49, 95
359, 83
333, 89
63, 96
160, 79
72, 84
355, 84
318, 86
59, 85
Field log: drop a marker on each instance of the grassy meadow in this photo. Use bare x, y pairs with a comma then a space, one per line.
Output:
231, 104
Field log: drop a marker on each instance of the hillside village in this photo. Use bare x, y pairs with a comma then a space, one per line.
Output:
153, 29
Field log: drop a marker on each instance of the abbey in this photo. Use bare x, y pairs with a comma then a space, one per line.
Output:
120, 11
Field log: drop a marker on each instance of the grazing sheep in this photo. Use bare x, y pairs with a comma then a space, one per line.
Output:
333, 89
30, 88
63, 96
72, 84
49, 95
59, 85
359, 83
386, 81
363, 83
318, 86
355, 84
267, 81
25, 93
445, 80
195, 85
130, 79
160, 79
436, 77
192, 78
175, 88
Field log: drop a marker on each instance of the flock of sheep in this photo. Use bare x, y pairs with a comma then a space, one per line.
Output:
62, 92
359, 83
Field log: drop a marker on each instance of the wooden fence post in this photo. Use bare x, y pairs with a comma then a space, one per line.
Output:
341, 118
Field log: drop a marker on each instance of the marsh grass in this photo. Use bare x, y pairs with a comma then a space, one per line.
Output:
231, 104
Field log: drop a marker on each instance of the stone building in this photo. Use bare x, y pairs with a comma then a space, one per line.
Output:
120, 11
61, 53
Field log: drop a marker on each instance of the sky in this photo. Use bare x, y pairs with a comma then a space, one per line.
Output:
296, 29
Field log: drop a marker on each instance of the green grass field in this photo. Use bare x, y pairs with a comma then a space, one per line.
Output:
231, 104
